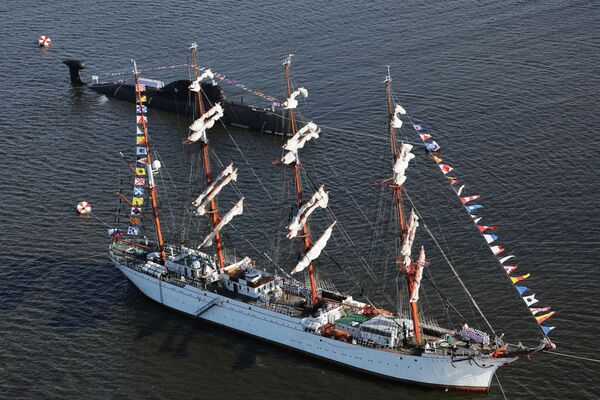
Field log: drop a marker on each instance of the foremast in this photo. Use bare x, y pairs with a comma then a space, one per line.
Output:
294, 159
401, 157
140, 100
213, 213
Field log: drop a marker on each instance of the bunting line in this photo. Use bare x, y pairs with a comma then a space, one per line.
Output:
433, 149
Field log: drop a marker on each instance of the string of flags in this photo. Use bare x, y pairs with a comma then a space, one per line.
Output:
243, 87
471, 204
141, 164
219, 76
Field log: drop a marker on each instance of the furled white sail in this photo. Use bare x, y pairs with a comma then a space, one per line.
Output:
291, 102
195, 86
309, 131
396, 121
319, 199
314, 251
406, 248
206, 121
214, 189
238, 209
289, 157
414, 296
401, 163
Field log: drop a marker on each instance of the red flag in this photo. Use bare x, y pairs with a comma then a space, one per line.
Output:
425, 136
141, 87
467, 199
496, 249
485, 228
445, 168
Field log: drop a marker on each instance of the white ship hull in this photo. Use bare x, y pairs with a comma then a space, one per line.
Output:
427, 369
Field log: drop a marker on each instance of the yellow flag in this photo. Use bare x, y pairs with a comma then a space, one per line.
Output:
143, 99
137, 201
134, 220
140, 140
140, 171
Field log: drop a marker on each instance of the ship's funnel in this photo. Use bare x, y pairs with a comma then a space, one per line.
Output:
74, 67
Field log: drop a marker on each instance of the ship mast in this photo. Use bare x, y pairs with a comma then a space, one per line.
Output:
298, 183
151, 183
411, 270
213, 214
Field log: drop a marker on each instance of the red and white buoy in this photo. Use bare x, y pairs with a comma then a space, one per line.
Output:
44, 41
83, 208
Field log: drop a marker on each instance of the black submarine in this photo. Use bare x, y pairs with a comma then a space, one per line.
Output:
176, 97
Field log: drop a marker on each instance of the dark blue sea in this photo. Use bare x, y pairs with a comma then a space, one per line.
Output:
508, 89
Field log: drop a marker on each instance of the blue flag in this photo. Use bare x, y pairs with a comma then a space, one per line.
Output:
140, 151
132, 230
473, 207
522, 289
432, 146
547, 329
144, 109
138, 191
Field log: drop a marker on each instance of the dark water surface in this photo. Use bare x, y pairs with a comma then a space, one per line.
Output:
510, 89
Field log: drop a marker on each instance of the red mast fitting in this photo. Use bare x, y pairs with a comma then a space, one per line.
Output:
413, 272
298, 182
213, 214
151, 184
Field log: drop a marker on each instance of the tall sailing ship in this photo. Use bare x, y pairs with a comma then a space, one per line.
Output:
301, 314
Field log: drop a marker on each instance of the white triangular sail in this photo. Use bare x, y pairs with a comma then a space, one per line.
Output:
406, 248
319, 199
238, 209
414, 296
401, 163
291, 102
229, 174
314, 251
396, 121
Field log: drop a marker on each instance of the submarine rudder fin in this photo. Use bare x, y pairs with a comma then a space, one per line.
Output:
74, 67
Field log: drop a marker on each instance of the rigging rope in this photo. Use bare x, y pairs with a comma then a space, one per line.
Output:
450, 265
571, 356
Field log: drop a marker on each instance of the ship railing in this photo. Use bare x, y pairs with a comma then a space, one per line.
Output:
278, 307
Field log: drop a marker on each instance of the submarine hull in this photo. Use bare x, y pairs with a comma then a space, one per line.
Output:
176, 97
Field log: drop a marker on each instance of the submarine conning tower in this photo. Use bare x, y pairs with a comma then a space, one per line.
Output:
74, 67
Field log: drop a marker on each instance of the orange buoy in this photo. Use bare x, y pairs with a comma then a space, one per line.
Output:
44, 41
83, 208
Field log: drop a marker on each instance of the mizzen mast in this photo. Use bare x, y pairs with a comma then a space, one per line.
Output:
407, 231
213, 212
149, 165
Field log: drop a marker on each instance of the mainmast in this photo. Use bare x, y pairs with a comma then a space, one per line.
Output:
213, 213
401, 159
151, 182
298, 184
